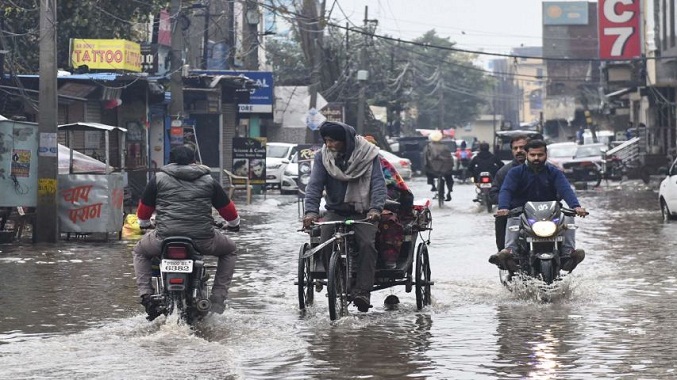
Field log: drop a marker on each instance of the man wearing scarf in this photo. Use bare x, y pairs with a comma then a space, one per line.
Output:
348, 169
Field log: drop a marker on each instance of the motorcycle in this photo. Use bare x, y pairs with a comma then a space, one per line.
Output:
180, 280
482, 189
541, 229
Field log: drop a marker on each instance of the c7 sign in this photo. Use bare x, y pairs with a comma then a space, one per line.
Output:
619, 29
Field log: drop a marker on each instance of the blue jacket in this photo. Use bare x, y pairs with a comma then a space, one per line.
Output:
522, 184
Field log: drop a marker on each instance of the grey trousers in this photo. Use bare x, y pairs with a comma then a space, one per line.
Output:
220, 246
365, 237
568, 245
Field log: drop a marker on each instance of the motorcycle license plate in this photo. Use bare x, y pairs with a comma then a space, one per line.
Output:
485, 185
542, 240
177, 266
568, 170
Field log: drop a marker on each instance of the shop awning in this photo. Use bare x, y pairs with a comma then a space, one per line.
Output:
85, 126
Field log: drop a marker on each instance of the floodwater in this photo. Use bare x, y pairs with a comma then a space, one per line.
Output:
71, 312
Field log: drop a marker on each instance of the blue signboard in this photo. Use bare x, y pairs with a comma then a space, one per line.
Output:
565, 13
261, 98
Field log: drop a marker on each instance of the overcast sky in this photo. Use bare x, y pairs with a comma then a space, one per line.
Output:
487, 25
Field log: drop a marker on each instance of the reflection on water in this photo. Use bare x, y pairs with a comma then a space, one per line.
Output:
71, 311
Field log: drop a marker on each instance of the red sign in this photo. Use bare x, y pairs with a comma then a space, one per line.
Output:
619, 29
164, 36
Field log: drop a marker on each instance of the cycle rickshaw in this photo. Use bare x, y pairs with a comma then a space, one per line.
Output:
412, 269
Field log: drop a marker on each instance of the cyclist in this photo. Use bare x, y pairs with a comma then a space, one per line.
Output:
348, 169
438, 161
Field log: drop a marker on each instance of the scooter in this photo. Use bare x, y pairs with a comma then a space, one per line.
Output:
482, 189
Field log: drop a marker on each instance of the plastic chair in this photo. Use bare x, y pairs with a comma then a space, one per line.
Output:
235, 183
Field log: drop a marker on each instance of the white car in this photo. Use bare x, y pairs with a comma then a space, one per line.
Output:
278, 156
403, 165
667, 194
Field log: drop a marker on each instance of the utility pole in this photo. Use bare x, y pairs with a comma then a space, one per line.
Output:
252, 19
311, 41
362, 76
46, 226
177, 52
205, 46
440, 106
230, 34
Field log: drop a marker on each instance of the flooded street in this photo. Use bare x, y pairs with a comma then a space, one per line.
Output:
72, 311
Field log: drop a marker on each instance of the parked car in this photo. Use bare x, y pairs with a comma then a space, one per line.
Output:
568, 155
403, 165
579, 163
290, 176
667, 194
278, 156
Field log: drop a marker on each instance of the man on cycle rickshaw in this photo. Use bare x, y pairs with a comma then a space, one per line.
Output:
348, 169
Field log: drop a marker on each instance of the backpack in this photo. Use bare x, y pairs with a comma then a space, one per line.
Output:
389, 236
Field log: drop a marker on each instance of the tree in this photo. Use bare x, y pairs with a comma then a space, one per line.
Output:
103, 19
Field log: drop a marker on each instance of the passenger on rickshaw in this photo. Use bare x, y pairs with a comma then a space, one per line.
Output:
348, 169
390, 235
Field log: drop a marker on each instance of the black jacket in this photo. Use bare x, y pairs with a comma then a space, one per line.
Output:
485, 161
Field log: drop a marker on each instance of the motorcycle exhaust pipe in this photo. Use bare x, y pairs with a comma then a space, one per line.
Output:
203, 305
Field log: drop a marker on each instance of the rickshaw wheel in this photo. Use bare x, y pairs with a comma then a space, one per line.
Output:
305, 279
336, 287
422, 277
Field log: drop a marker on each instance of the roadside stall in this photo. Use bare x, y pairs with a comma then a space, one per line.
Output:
18, 175
91, 197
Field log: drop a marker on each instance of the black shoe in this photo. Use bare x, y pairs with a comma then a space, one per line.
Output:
448, 198
433, 188
362, 302
577, 255
152, 308
503, 259
218, 304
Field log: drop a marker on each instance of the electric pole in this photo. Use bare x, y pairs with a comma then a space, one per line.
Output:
177, 53
362, 76
46, 224
251, 58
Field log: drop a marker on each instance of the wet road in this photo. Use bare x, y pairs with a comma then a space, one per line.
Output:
71, 312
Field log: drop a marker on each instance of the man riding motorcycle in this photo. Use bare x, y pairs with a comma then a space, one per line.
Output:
484, 161
183, 193
536, 180
517, 144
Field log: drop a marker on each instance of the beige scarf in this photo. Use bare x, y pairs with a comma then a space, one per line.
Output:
357, 173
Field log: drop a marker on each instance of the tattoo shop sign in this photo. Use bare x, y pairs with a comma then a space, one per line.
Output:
90, 202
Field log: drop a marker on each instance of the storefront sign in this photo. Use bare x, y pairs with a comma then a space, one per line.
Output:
90, 202
249, 159
619, 29
106, 54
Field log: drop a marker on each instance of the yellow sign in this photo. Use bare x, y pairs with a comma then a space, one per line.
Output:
106, 54
46, 186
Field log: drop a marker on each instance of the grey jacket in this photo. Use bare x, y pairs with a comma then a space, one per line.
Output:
184, 201
498, 180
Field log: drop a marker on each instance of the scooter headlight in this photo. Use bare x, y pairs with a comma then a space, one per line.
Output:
544, 228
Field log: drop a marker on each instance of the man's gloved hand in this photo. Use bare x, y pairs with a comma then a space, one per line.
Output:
308, 220
374, 215
580, 211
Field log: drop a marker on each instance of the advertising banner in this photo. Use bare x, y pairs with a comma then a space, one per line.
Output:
565, 13
619, 29
90, 202
106, 54
305, 162
249, 159
18, 163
